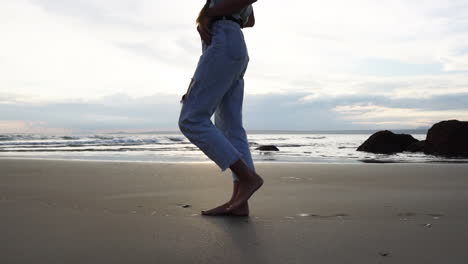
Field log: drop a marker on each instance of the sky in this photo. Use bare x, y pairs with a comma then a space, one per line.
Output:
92, 66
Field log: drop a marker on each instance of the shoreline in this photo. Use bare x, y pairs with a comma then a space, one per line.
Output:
352, 162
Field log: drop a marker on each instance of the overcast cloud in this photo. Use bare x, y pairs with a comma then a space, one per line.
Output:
103, 65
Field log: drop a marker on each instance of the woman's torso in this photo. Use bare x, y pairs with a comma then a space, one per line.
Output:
243, 15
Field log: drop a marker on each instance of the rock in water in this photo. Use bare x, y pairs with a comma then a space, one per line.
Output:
416, 146
268, 147
448, 138
387, 142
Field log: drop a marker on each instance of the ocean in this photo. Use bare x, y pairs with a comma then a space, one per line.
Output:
324, 147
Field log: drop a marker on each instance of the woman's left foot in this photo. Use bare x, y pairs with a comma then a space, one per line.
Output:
246, 189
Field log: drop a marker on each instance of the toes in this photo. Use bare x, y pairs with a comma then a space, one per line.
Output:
216, 211
207, 213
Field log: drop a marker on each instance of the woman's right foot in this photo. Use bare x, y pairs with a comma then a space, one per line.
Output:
221, 210
243, 210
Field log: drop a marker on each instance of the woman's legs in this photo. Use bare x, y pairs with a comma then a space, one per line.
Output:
228, 118
216, 73
212, 79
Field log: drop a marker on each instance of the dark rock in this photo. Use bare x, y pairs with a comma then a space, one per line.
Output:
448, 138
268, 148
377, 161
387, 142
186, 206
416, 146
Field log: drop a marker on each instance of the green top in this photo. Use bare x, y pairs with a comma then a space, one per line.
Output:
243, 15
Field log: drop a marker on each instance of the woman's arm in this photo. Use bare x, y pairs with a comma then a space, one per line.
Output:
228, 7
251, 21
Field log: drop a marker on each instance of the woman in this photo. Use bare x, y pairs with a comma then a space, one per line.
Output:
217, 87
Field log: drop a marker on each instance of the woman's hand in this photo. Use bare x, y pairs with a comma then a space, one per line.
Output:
251, 21
204, 27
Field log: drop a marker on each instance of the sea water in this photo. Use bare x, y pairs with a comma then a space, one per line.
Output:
174, 147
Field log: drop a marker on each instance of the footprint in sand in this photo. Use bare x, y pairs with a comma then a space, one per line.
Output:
291, 178
340, 215
410, 214
427, 225
184, 205
384, 254
406, 214
435, 216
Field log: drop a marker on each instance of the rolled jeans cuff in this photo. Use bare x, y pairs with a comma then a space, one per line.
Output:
235, 156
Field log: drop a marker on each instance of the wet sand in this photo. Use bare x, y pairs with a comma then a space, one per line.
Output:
116, 212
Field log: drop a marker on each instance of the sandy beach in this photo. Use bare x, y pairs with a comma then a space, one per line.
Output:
135, 212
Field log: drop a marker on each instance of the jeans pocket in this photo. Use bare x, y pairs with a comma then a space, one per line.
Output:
235, 44
185, 96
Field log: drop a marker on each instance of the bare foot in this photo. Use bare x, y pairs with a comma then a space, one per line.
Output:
243, 210
246, 189
221, 210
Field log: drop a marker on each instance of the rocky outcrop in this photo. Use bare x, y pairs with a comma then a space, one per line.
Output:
268, 148
416, 146
448, 138
387, 142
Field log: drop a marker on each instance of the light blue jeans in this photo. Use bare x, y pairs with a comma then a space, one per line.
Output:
217, 87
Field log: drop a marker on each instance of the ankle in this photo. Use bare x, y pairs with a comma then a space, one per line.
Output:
243, 171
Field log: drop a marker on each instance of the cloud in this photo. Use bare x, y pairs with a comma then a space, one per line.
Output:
393, 87
33, 127
56, 50
114, 112
67, 62
371, 114
276, 111
142, 15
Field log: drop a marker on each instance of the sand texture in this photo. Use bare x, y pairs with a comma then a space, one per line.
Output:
116, 212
